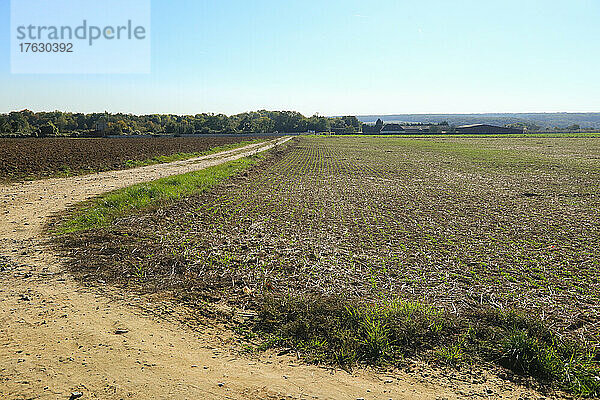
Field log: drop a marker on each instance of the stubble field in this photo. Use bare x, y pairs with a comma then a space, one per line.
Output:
371, 249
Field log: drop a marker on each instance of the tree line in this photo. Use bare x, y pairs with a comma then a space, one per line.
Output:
28, 123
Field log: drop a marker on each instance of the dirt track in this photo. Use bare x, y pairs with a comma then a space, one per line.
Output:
57, 337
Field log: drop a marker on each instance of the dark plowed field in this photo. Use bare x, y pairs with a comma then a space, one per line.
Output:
37, 158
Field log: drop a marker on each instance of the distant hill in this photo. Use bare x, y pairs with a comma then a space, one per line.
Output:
544, 120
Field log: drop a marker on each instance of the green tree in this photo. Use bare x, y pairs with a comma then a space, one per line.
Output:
19, 123
48, 130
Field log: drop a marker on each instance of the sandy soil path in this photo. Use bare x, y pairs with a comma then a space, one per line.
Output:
57, 337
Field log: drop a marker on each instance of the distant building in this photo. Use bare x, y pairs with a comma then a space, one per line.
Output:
100, 126
392, 129
416, 129
483, 129
397, 129
373, 129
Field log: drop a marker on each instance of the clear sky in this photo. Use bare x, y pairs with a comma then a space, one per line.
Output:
339, 57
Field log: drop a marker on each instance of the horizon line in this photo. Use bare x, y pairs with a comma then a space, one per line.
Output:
316, 113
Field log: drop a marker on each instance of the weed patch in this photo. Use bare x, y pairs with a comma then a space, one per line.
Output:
338, 330
334, 328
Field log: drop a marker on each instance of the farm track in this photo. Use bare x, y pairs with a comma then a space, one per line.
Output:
57, 337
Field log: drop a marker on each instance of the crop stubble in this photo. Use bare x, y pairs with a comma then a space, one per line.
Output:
505, 222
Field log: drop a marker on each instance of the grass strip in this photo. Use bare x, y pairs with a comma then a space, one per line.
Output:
340, 331
102, 210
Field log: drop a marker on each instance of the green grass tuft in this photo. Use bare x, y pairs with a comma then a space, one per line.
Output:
567, 363
333, 329
338, 330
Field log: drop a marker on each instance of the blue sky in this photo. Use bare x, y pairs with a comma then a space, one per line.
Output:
341, 57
